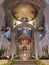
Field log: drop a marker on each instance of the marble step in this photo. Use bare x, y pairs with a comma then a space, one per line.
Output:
24, 63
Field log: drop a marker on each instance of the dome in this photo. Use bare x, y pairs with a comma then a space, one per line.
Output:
24, 11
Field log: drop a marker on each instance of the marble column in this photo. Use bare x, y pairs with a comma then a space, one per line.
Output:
16, 41
33, 45
36, 45
14, 45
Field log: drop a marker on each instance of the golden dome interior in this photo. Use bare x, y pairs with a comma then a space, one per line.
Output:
24, 10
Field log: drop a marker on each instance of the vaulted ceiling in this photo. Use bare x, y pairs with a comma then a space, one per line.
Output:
39, 4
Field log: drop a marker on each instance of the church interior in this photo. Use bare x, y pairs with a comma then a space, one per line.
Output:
24, 29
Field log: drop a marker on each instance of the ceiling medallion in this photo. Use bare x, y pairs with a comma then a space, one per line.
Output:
24, 12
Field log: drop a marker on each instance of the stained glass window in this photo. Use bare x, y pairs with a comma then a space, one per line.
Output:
24, 30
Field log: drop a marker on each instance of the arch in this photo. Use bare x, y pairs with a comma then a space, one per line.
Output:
24, 25
25, 36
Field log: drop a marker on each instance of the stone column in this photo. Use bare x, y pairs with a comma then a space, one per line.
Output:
36, 45
14, 45
10, 53
33, 44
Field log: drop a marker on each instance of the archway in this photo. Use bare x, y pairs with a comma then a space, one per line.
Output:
25, 44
